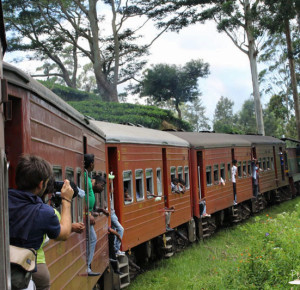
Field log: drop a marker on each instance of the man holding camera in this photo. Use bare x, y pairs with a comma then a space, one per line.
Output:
29, 218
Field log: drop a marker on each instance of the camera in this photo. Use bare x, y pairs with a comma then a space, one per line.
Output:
55, 187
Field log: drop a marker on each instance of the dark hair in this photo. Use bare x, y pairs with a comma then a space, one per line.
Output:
88, 160
234, 161
30, 171
99, 179
180, 180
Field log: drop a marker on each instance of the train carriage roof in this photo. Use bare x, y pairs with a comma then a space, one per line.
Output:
258, 139
116, 133
212, 140
19, 78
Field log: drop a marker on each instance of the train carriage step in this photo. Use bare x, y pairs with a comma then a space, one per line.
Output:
169, 255
168, 247
124, 285
205, 236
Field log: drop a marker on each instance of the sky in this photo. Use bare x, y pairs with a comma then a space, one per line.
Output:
229, 67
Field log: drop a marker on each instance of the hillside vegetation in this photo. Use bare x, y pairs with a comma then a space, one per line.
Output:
90, 105
262, 253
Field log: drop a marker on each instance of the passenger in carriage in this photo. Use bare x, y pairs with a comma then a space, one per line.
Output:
181, 185
174, 185
115, 221
29, 218
255, 177
89, 166
233, 176
98, 186
126, 195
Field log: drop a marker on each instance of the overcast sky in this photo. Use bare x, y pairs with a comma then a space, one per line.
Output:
229, 67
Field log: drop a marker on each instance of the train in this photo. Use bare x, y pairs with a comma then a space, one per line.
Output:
33, 120
144, 162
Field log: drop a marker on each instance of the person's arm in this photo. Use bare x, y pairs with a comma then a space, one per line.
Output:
114, 232
66, 221
106, 212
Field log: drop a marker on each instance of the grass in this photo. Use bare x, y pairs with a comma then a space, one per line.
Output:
261, 253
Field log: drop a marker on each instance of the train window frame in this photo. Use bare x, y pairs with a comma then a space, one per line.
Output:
187, 177
244, 169
159, 186
216, 174
128, 179
222, 171
139, 178
272, 163
249, 168
229, 170
79, 199
208, 175
239, 169
151, 183
264, 163
268, 163
180, 173
259, 163
173, 174
69, 174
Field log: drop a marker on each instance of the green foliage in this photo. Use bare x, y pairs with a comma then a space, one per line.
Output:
262, 253
69, 94
147, 116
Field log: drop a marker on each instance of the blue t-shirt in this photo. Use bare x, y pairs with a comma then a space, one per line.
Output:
30, 219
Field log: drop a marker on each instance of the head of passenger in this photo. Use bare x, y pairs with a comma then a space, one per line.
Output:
89, 162
99, 184
234, 162
32, 174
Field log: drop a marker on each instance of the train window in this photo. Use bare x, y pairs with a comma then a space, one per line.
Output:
127, 186
158, 180
272, 163
268, 163
216, 173
259, 162
173, 172
149, 183
186, 177
139, 184
179, 173
57, 172
249, 168
70, 176
229, 171
208, 176
264, 164
239, 166
245, 168
222, 171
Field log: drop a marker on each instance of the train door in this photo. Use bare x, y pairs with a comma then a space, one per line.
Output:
201, 192
165, 177
113, 187
14, 131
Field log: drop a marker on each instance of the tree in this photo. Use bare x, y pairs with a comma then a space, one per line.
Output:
277, 18
246, 120
194, 113
47, 27
178, 84
223, 117
236, 18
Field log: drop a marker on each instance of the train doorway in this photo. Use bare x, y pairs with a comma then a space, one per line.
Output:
165, 177
200, 174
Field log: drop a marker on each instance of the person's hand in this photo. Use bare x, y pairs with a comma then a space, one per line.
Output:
95, 214
119, 237
78, 228
92, 220
67, 191
106, 212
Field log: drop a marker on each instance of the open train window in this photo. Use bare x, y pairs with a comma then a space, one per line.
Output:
186, 177
245, 168
268, 163
127, 186
149, 183
70, 176
173, 172
79, 199
216, 174
57, 173
222, 171
239, 166
139, 184
179, 173
259, 162
249, 168
208, 176
229, 171
158, 180
264, 164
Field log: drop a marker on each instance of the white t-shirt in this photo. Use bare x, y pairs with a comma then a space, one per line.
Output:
233, 173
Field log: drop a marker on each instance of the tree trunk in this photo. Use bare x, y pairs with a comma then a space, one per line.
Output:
293, 74
178, 111
106, 89
252, 54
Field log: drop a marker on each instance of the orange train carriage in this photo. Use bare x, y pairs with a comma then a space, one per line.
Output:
38, 122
